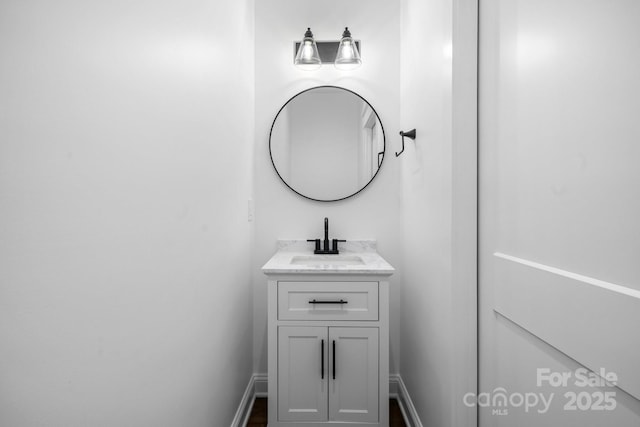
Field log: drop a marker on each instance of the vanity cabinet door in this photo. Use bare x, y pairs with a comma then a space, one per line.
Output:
302, 373
353, 393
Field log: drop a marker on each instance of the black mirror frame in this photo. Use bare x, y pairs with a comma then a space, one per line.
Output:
384, 143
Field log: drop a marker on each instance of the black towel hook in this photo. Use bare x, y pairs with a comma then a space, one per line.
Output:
410, 134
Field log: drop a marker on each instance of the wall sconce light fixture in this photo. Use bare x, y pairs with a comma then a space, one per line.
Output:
344, 54
348, 57
308, 57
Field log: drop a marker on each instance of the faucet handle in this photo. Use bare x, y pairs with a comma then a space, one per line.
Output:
317, 242
334, 245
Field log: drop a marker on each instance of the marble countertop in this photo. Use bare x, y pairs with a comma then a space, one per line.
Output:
372, 262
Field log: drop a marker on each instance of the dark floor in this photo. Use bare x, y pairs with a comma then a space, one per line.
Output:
259, 414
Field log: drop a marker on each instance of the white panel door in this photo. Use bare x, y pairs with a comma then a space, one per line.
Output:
302, 373
559, 228
353, 365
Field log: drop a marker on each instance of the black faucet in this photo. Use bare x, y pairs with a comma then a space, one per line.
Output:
326, 234
326, 251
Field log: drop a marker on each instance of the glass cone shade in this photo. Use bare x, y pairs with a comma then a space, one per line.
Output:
308, 57
348, 56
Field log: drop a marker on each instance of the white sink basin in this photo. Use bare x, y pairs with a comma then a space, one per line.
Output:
314, 260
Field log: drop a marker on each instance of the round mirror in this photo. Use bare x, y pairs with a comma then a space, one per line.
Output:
327, 143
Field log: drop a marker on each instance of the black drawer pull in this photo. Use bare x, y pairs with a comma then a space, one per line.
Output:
313, 301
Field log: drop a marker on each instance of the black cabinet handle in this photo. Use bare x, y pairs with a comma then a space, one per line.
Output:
313, 301
334, 359
322, 360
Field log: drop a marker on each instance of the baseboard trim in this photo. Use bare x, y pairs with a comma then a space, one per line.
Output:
398, 391
244, 410
258, 386
261, 385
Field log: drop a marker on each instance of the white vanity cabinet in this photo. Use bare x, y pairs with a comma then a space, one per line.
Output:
328, 336
328, 347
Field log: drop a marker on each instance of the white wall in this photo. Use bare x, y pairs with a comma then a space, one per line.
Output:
438, 179
280, 213
125, 169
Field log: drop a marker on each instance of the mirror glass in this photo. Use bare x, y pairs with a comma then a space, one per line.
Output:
327, 143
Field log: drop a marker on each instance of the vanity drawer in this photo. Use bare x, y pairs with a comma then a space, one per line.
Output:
327, 300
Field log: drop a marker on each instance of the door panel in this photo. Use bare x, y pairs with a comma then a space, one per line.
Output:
302, 392
559, 197
577, 315
353, 393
